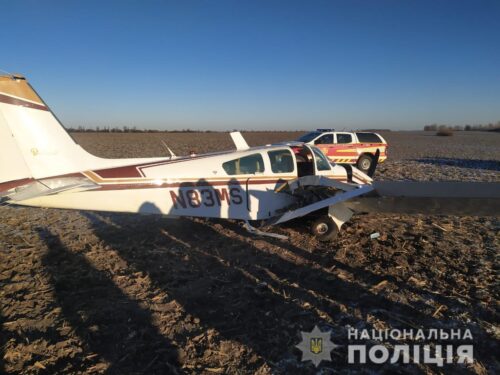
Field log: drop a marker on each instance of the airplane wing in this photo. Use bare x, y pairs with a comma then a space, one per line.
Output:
432, 198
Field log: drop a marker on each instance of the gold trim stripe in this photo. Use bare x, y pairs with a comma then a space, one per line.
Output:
144, 180
18, 88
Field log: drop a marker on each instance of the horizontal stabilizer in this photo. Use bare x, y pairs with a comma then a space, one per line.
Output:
50, 186
432, 198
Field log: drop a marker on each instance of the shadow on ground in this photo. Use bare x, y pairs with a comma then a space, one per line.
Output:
259, 297
3, 341
109, 323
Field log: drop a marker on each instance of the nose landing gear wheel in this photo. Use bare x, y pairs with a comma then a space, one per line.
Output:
324, 229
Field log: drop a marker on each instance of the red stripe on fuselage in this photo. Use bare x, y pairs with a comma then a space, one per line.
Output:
23, 103
119, 172
4, 186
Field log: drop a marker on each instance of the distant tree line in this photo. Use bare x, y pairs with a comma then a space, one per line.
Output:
105, 129
124, 129
475, 127
134, 129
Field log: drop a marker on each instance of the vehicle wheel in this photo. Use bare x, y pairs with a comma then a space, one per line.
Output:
364, 163
324, 228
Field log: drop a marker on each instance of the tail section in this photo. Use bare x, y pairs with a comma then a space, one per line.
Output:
33, 144
12, 164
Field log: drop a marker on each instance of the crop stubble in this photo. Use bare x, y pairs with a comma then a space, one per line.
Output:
95, 292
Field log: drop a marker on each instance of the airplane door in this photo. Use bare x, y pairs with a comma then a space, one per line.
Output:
279, 167
255, 197
254, 166
322, 166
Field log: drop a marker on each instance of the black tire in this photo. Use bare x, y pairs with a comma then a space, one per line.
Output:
364, 163
324, 229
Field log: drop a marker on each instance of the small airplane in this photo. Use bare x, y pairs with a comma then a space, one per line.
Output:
42, 166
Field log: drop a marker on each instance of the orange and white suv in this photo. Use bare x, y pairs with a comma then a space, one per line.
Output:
357, 148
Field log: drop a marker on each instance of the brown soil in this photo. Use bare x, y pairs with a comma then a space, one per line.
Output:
87, 292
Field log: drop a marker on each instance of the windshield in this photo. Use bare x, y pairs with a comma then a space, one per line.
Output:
308, 137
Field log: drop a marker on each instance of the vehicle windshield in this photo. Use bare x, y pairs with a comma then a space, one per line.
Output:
308, 137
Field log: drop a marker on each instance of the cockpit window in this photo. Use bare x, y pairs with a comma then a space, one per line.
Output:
308, 137
322, 163
281, 161
250, 164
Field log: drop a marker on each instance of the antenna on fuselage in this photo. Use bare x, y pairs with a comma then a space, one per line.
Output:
172, 155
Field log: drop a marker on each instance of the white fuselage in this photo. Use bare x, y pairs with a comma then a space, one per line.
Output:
193, 186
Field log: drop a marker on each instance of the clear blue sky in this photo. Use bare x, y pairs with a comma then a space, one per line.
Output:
258, 64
